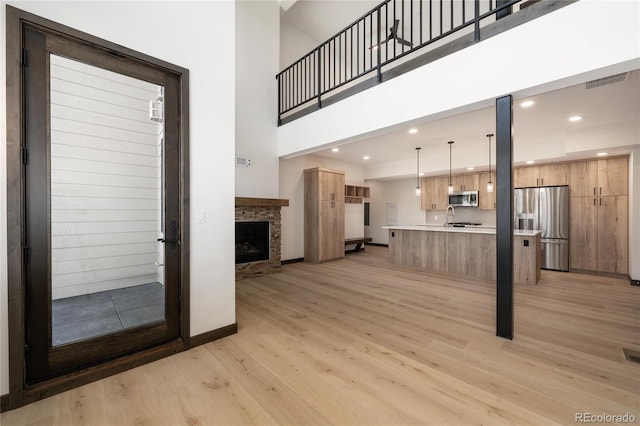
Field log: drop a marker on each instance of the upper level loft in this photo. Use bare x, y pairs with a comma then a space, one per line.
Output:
391, 39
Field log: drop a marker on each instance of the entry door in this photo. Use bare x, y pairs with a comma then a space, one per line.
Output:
102, 243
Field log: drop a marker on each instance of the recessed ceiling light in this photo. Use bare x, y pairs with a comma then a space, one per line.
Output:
366, 157
602, 154
526, 104
335, 149
530, 162
575, 118
413, 131
469, 168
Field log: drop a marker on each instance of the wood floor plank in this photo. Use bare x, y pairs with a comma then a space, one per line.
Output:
363, 342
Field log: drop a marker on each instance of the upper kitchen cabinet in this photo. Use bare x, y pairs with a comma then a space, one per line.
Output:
434, 192
487, 200
584, 178
613, 176
603, 177
547, 175
467, 182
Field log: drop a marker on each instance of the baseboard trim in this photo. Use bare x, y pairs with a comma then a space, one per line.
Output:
210, 336
377, 244
289, 261
4, 402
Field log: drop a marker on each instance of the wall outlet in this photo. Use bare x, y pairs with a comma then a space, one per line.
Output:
435, 217
526, 243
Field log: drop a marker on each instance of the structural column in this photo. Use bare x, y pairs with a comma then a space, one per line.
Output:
504, 215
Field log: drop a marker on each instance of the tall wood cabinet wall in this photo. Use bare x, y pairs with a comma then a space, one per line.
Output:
323, 215
599, 215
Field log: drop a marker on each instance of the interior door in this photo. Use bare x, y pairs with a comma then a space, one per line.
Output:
102, 205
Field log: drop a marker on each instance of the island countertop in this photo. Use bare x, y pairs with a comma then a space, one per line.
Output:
476, 230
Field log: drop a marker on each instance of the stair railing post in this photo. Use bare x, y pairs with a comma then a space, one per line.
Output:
379, 49
476, 23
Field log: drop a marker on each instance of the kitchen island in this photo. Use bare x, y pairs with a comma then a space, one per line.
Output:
466, 251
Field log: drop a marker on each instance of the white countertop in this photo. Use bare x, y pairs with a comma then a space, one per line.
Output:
476, 230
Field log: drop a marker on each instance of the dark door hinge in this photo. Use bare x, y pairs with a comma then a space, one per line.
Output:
25, 57
27, 352
25, 155
25, 255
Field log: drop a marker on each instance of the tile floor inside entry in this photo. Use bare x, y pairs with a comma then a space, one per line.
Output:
92, 315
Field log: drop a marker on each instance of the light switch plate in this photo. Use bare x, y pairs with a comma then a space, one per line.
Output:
201, 216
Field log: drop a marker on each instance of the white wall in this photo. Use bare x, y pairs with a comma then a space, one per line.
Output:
194, 26
257, 52
294, 44
402, 192
292, 188
601, 36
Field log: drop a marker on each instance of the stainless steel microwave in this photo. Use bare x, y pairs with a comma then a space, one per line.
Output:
464, 199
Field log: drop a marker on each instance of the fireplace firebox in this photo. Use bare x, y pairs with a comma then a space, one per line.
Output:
252, 241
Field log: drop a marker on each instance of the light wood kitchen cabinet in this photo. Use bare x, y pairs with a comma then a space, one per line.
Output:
487, 200
613, 176
466, 182
323, 215
434, 195
584, 178
602, 177
599, 234
546, 175
583, 250
613, 234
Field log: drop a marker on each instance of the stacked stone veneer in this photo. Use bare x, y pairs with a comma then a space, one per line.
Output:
261, 267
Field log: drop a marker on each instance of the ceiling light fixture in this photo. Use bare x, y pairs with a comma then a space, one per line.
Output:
575, 118
335, 149
366, 157
602, 154
413, 131
450, 188
526, 104
470, 168
418, 171
490, 182
529, 162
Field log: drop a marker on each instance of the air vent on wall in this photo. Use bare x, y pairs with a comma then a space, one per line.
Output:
617, 78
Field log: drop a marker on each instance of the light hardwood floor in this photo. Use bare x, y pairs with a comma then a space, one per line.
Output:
364, 342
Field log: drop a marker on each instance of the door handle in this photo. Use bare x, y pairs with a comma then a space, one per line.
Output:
174, 232
162, 240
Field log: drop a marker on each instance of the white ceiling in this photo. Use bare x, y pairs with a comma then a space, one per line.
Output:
545, 122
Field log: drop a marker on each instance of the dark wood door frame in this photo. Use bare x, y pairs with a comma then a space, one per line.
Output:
19, 392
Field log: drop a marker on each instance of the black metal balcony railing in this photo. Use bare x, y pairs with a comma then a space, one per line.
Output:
387, 33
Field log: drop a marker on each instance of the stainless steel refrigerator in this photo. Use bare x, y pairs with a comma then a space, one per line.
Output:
546, 209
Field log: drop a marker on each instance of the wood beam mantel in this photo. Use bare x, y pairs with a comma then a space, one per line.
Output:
261, 202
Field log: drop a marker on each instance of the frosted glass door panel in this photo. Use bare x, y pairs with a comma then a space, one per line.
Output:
106, 202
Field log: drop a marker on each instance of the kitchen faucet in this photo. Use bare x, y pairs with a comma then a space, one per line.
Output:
453, 214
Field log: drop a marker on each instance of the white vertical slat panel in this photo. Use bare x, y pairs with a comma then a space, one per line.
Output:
105, 180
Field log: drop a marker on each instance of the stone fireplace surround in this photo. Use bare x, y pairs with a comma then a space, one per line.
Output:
261, 209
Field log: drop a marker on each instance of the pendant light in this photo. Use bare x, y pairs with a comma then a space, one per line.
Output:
418, 171
490, 183
450, 190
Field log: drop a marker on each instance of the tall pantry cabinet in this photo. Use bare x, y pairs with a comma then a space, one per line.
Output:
600, 215
323, 215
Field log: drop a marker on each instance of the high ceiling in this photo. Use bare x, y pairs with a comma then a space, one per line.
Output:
542, 127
